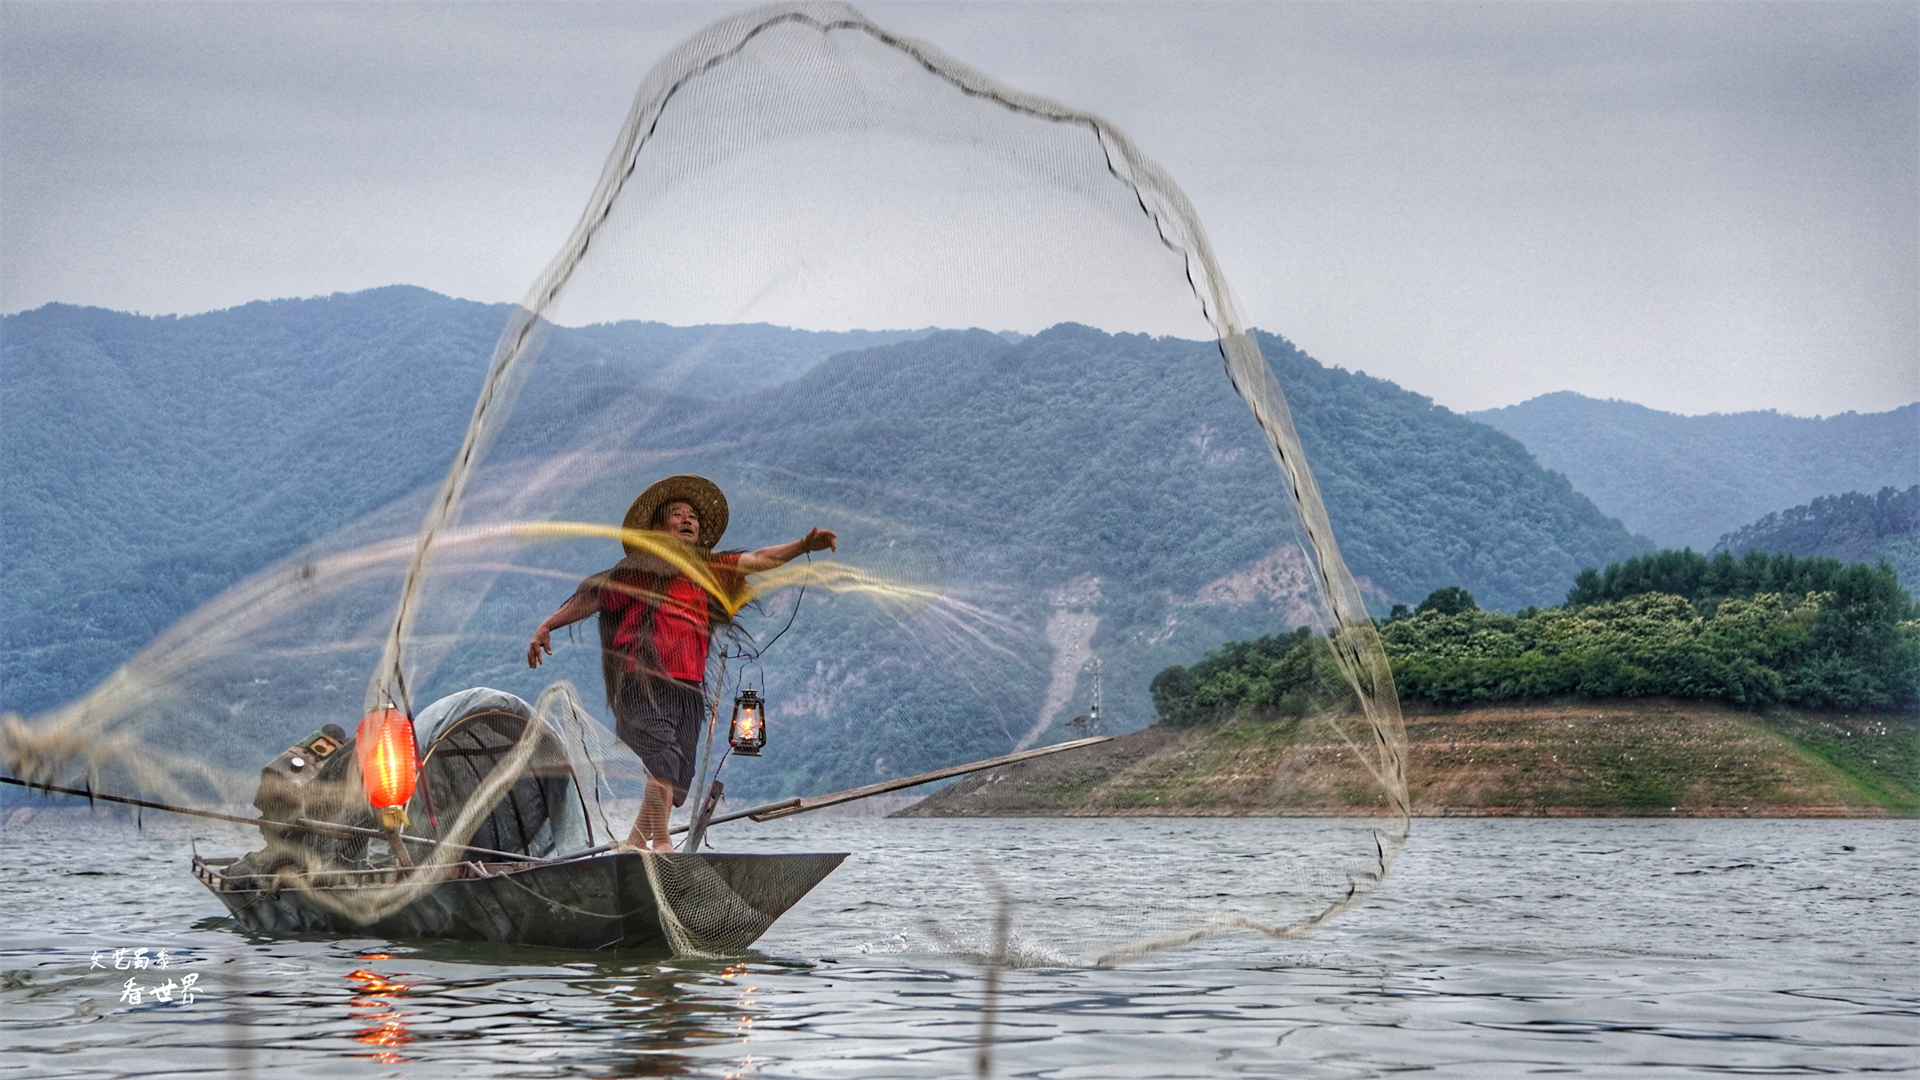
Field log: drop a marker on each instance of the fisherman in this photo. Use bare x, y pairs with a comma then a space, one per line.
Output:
656, 626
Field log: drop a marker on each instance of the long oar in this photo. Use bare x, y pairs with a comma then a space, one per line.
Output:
789, 807
305, 825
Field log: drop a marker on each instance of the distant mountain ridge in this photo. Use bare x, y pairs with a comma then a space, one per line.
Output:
1686, 480
1419, 496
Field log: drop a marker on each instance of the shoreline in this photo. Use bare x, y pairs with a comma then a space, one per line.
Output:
24, 816
1633, 758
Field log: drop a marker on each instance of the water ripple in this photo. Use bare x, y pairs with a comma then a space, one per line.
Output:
1497, 949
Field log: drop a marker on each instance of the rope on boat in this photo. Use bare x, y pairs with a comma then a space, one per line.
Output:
305, 825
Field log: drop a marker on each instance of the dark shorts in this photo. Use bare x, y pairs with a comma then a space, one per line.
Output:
663, 728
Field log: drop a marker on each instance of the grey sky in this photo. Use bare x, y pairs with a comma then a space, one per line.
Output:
1697, 207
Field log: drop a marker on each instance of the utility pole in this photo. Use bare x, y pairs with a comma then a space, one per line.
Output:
1088, 723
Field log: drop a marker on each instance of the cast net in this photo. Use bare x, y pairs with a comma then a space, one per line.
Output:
984, 340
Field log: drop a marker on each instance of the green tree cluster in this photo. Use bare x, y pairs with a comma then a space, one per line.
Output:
1854, 527
1279, 675
1704, 579
1759, 630
1759, 650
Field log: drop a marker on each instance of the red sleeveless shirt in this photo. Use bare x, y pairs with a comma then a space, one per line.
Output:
681, 633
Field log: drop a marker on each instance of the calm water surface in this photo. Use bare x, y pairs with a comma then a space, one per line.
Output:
1496, 949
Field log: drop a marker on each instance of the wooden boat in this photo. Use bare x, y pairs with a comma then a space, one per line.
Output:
605, 901
531, 875
531, 872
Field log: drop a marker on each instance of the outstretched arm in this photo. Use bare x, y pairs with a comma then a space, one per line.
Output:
781, 554
579, 606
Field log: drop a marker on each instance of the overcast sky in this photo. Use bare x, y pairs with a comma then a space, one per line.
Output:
1696, 207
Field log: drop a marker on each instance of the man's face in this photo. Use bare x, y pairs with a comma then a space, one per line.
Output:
681, 522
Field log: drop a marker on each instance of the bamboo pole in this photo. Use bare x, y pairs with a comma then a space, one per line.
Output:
789, 807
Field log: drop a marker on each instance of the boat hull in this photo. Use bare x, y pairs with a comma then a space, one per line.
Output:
604, 902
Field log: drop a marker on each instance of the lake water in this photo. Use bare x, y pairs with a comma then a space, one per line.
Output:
1497, 948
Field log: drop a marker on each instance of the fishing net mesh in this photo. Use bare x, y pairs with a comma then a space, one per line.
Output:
1074, 482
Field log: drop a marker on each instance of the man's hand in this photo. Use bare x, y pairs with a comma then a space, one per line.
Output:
753, 562
579, 606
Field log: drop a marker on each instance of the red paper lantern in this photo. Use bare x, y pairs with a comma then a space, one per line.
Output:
384, 747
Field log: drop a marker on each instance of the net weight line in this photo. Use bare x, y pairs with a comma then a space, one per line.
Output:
789, 807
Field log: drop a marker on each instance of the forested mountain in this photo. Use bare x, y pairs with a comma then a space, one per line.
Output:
149, 463
1120, 468
1686, 480
1854, 527
1422, 497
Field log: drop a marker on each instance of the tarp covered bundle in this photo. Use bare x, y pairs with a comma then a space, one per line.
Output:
555, 806
546, 812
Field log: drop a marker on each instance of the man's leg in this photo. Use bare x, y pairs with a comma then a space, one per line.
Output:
650, 827
651, 732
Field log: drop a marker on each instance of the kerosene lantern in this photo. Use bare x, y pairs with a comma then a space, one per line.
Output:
748, 735
384, 748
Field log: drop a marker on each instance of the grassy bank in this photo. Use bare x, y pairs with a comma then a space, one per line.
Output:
1623, 758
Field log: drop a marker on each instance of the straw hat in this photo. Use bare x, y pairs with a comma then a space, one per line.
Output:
696, 491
